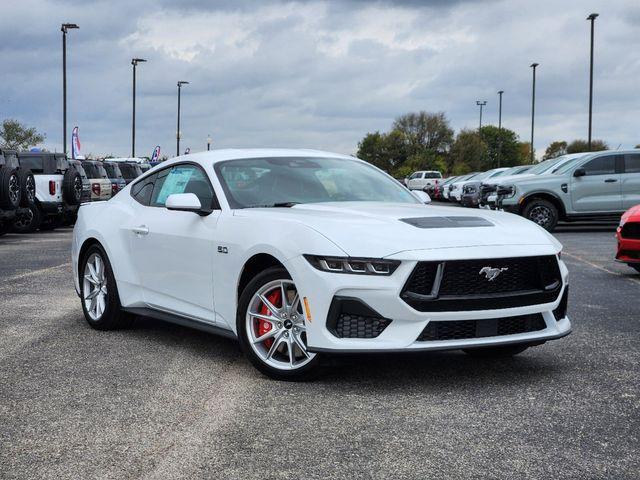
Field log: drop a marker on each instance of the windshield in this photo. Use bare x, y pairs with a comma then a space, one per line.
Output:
128, 171
112, 170
566, 166
544, 166
257, 182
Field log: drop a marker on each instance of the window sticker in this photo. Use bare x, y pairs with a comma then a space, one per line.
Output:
176, 182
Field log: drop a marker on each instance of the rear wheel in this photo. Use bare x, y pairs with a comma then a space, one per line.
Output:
542, 212
27, 220
72, 186
99, 293
271, 327
501, 351
27, 187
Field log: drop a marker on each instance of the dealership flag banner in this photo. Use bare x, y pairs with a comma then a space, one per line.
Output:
155, 156
75, 143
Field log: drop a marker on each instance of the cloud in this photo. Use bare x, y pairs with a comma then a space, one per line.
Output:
315, 74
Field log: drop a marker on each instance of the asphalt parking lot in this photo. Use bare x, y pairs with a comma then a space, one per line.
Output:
162, 401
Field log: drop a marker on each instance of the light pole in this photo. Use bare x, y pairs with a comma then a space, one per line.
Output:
64, 28
591, 17
180, 83
209, 142
480, 104
500, 92
134, 62
533, 105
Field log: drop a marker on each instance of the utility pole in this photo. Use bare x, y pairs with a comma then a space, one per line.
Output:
134, 62
592, 18
533, 106
64, 28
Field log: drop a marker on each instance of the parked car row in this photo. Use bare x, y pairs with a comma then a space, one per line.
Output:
601, 185
42, 190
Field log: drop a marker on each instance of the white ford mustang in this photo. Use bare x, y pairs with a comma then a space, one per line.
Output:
300, 253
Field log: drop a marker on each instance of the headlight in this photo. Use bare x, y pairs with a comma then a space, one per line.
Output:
507, 191
361, 266
622, 222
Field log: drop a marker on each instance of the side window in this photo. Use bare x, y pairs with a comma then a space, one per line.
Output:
182, 179
413, 175
632, 163
601, 166
141, 191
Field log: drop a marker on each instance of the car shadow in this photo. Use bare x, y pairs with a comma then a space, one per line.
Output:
387, 371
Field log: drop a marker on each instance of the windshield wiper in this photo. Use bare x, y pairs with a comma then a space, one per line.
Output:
276, 205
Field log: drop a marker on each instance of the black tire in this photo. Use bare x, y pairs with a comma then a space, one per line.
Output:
542, 212
9, 188
27, 220
27, 188
72, 186
502, 351
635, 266
4, 227
306, 372
113, 317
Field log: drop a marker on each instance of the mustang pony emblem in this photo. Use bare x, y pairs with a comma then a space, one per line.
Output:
492, 273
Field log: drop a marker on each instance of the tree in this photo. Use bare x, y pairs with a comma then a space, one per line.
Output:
468, 153
384, 150
16, 136
524, 152
555, 149
502, 146
425, 131
579, 146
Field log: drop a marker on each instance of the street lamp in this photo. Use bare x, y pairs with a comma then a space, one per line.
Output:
533, 105
500, 92
209, 142
180, 83
134, 62
480, 104
64, 28
592, 18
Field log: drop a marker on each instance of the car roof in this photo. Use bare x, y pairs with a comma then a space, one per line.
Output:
215, 156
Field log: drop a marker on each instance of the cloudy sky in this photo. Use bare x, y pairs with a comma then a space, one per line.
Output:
316, 74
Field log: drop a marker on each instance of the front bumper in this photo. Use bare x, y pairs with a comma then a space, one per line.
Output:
470, 200
382, 295
628, 249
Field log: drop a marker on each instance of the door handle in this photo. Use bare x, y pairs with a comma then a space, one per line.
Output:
141, 230
611, 180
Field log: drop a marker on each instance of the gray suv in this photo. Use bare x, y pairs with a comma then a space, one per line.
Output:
597, 185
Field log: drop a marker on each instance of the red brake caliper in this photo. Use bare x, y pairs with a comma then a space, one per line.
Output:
263, 326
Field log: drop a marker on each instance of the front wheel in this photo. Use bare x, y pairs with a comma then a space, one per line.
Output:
271, 327
542, 212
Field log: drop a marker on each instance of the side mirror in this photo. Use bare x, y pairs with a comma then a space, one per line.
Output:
185, 202
422, 196
579, 172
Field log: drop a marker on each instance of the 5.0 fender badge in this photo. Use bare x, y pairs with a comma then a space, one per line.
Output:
222, 249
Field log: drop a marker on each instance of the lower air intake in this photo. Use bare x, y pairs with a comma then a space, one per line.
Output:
488, 327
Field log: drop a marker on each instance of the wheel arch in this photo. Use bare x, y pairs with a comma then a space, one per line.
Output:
254, 265
86, 244
544, 195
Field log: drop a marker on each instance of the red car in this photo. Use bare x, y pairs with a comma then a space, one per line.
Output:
628, 235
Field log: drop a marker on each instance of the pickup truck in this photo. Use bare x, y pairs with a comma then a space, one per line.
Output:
595, 185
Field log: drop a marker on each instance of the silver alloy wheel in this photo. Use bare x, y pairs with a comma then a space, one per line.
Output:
283, 345
94, 287
540, 215
14, 189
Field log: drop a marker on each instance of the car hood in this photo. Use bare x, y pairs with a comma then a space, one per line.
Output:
373, 229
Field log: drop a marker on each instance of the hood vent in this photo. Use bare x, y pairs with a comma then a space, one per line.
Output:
447, 222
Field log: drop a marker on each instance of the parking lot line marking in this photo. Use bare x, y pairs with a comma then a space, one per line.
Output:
35, 272
580, 259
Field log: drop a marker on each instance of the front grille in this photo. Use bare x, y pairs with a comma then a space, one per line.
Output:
631, 230
357, 326
470, 284
489, 327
